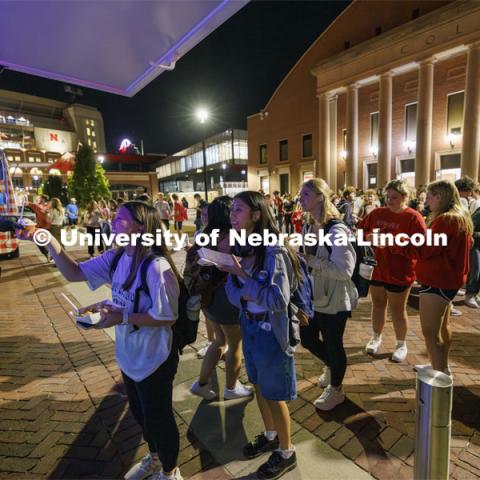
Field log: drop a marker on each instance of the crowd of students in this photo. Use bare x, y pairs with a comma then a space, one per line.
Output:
247, 304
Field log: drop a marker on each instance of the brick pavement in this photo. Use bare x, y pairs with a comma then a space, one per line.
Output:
62, 407
63, 412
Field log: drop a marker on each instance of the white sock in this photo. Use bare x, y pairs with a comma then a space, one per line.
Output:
286, 454
376, 335
270, 434
172, 475
401, 343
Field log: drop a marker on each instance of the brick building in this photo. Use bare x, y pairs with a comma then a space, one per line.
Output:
389, 90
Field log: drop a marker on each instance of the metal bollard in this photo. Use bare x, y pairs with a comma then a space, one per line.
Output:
433, 424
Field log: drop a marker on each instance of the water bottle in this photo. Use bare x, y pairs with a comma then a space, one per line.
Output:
262, 277
193, 308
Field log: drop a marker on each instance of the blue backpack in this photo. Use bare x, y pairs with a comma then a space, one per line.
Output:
300, 299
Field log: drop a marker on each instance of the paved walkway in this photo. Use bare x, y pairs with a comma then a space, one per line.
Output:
63, 411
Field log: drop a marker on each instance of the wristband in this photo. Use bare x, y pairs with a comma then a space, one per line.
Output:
125, 317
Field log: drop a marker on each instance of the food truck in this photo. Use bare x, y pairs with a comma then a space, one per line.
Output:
8, 208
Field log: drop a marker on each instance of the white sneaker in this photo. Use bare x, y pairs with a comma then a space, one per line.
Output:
146, 467
455, 312
176, 475
471, 301
325, 377
374, 344
461, 292
203, 391
329, 399
419, 368
240, 391
202, 352
400, 353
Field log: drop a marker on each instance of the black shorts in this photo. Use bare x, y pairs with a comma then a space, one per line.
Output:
446, 294
390, 287
72, 221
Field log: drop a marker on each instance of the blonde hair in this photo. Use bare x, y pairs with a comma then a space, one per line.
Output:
399, 186
450, 205
328, 210
56, 204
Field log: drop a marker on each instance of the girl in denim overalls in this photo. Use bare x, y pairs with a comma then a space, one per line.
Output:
260, 285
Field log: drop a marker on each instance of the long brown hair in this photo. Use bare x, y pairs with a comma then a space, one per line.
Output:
450, 205
147, 216
256, 202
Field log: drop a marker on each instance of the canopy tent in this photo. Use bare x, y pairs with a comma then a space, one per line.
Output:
118, 46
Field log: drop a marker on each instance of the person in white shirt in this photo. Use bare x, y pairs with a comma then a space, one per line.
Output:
163, 209
145, 347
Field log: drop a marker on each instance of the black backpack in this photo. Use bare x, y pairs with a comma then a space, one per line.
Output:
364, 254
186, 327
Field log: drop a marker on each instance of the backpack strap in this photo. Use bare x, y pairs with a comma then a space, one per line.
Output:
116, 259
328, 226
143, 281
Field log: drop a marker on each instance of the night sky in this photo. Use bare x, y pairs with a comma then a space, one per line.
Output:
233, 72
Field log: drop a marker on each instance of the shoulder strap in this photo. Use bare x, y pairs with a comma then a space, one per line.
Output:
143, 281
116, 259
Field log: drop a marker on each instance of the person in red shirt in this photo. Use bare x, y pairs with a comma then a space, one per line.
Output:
178, 213
297, 218
442, 270
394, 274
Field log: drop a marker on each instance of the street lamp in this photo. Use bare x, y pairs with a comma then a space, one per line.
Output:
202, 116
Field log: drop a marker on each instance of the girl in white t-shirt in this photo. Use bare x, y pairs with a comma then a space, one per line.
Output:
145, 348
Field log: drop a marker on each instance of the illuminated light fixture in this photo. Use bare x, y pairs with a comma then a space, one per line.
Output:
35, 177
101, 158
243, 172
410, 145
199, 170
202, 115
343, 154
374, 150
224, 166
452, 139
126, 143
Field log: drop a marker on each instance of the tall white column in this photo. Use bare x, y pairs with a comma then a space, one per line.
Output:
323, 164
471, 115
352, 136
384, 130
424, 123
332, 107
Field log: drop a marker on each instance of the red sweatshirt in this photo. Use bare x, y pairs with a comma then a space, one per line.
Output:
393, 267
443, 266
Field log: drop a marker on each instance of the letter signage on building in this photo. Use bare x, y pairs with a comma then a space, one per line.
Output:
55, 140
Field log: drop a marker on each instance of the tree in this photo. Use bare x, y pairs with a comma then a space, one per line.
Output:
54, 187
88, 181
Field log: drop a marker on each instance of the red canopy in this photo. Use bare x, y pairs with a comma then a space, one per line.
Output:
65, 164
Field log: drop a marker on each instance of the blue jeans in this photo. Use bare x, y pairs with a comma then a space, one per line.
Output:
267, 365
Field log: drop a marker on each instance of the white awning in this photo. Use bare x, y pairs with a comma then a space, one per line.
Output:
117, 46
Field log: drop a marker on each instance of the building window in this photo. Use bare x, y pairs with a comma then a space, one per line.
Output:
374, 131
263, 154
283, 150
284, 181
307, 144
411, 122
455, 113
407, 165
371, 175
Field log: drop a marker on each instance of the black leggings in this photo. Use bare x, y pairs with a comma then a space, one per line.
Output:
151, 405
330, 349
94, 231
